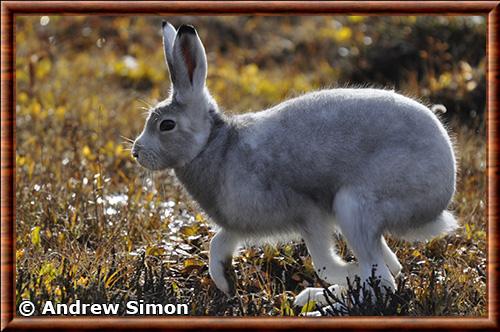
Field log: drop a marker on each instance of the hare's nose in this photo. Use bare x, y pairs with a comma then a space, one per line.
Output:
135, 152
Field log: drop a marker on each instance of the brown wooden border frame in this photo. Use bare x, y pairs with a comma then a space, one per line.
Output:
9, 9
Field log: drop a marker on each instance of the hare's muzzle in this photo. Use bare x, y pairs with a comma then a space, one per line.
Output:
135, 151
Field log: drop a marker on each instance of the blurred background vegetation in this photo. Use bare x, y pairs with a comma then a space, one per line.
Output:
92, 225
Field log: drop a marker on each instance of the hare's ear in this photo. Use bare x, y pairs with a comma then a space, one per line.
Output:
190, 63
168, 46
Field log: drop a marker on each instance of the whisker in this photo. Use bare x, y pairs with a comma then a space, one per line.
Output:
145, 102
156, 113
127, 139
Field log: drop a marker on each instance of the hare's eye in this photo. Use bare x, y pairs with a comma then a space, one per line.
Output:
167, 125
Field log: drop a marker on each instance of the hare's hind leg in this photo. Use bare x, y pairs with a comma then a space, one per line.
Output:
391, 259
361, 225
328, 265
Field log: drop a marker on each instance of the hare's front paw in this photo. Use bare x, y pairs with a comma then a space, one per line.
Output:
223, 275
315, 294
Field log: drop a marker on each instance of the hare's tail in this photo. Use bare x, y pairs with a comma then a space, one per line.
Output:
445, 223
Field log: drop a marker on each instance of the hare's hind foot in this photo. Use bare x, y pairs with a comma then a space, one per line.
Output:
316, 294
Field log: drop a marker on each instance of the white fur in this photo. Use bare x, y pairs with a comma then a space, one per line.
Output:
365, 162
444, 224
222, 247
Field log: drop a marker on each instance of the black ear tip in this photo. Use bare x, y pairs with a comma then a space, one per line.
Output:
163, 23
186, 28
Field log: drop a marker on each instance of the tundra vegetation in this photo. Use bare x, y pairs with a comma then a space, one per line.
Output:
91, 225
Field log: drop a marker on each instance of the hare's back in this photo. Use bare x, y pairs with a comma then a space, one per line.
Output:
348, 120
331, 135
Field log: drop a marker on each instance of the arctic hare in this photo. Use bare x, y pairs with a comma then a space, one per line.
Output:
363, 162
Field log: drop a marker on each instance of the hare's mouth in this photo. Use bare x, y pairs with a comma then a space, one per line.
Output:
149, 162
